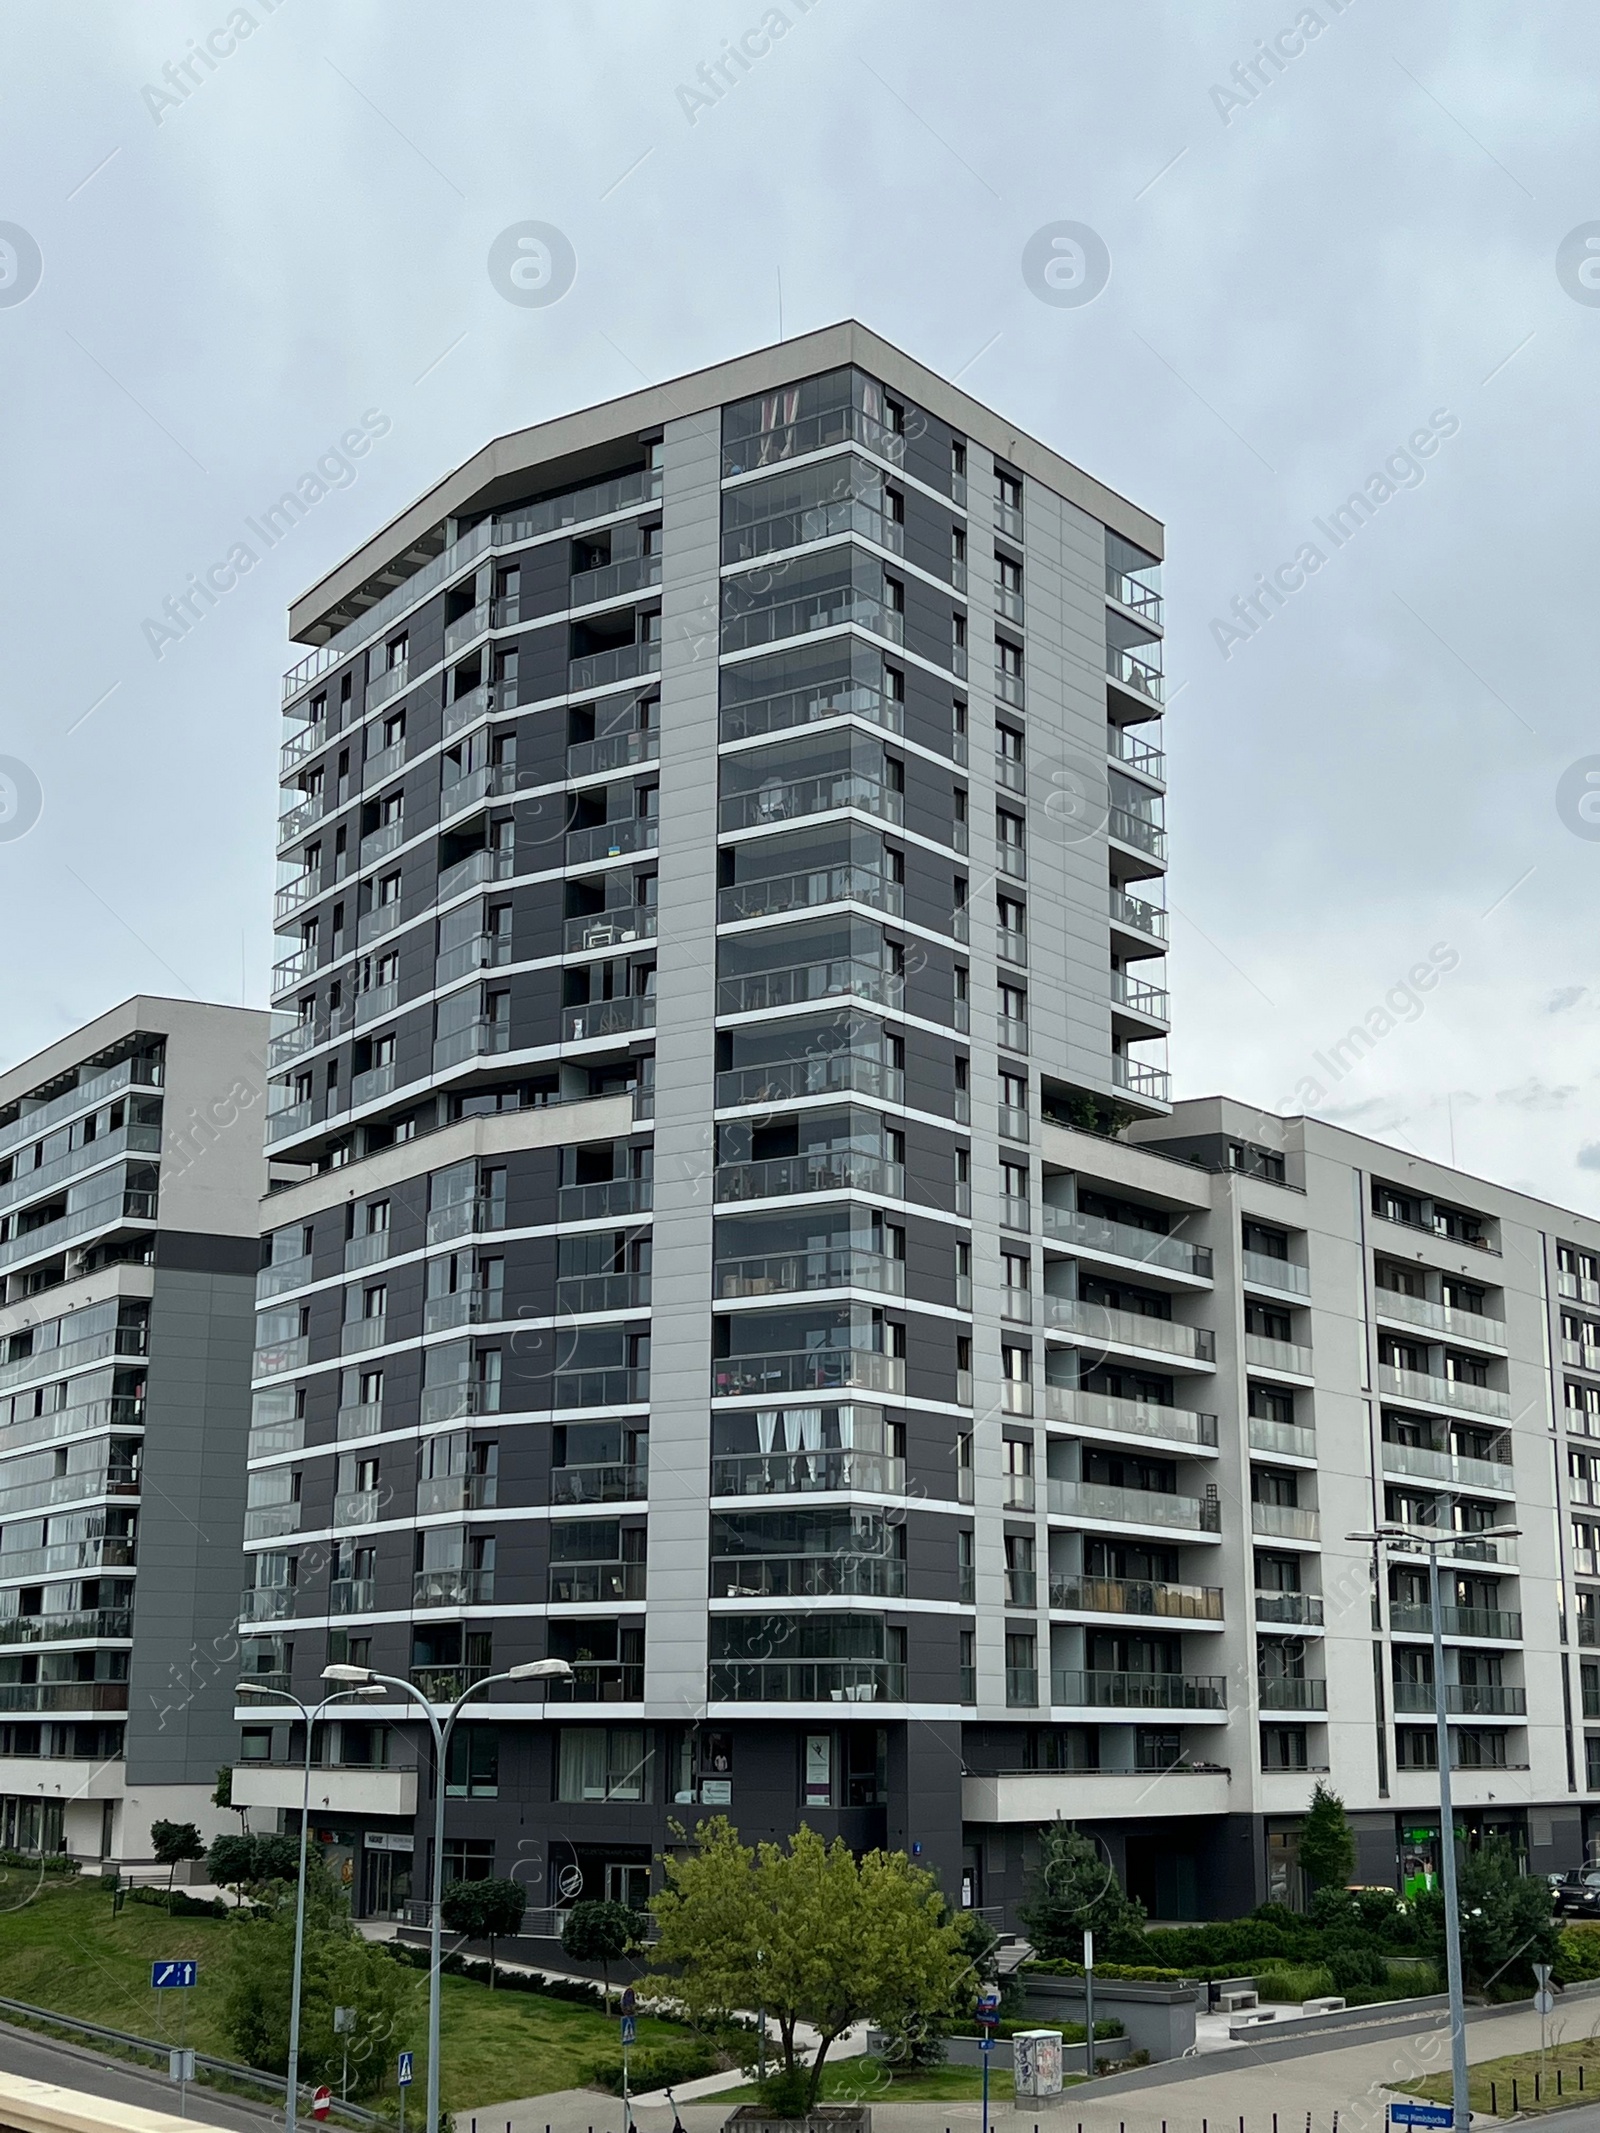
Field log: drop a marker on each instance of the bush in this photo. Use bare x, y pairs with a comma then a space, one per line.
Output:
48, 1863
787, 2093
658, 2065
1579, 1954
1306, 1981
1129, 1973
177, 1905
1351, 1967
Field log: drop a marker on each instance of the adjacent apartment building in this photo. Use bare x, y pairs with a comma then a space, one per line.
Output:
131, 1175
722, 920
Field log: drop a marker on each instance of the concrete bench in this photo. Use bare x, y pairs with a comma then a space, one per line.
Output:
1331, 2004
1252, 2019
1237, 2001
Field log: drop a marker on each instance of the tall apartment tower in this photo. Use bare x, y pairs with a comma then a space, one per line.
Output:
131, 1175
722, 829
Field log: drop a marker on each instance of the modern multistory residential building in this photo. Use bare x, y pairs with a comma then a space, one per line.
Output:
718, 827
131, 1175
742, 1244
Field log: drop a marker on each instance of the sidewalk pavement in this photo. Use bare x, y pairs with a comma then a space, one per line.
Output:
1271, 2096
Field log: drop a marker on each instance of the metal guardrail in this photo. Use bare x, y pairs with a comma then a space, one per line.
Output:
272, 2083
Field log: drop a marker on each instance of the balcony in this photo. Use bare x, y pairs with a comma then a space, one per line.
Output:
497, 864
1451, 1468
1301, 1610
613, 581
610, 1196
616, 1483
1136, 1596
806, 1681
357, 1335
444, 1493
1413, 1618
268, 1361
594, 1584
1287, 1358
1422, 1389
303, 815
1284, 1521
1106, 1413
808, 1473
805, 892
462, 1307
288, 1120
386, 838
829, 607
825, 1074
63, 1696
465, 1218
813, 1577
607, 1018
1141, 1080
610, 929
368, 1087
361, 1419
1102, 1326
618, 1387
1138, 916
1150, 1001
579, 1294
1131, 829
462, 632
1123, 745
1092, 1690
352, 1596
1288, 1692
355, 1507
266, 1603
1143, 600
599, 1681
623, 662
1117, 1240
828, 520
481, 1038
830, 1170
465, 1396
1135, 673
773, 804
1442, 1319
452, 1587
1462, 1699
611, 840
812, 433
1576, 1288
1282, 1276
788, 1273
350, 1789
1147, 1509
1266, 1435
443, 1684
80, 1625
613, 751
377, 920
809, 1370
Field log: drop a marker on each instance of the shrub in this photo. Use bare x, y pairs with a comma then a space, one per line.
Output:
1579, 1954
177, 1905
660, 2064
1352, 1966
1306, 1981
787, 2093
1129, 1973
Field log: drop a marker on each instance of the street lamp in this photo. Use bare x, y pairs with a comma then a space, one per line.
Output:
310, 1714
365, 1681
1408, 1538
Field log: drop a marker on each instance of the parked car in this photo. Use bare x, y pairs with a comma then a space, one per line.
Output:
1576, 1895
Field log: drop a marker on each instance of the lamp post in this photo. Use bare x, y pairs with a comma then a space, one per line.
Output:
364, 1679
310, 1713
1408, 1539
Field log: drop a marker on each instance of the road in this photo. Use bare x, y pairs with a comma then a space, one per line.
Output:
37, 2058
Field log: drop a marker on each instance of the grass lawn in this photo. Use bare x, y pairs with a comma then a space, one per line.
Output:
1582, 2053
61, 1948
870, 2081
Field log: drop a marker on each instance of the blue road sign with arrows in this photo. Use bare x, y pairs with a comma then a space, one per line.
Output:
164, 1976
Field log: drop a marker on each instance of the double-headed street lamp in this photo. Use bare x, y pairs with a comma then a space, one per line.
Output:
1410, 1538
310, 1713
364, 1681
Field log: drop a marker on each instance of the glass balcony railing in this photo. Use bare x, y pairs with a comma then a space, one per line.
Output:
609, 1196
1140, 675
1131, 829
452, 1587
63, 1696
464, 1396
818, 1074
81, 1623
778, 803
1093, 1689
1113, 1415
599, 1681
607, 1018
623, 662
610, 840
815, 1577
1140, 999
439, 1493
1129, 1329
786, 1273
1443, 1319
1462, 1699
1301, 1609
1137, 1596
1292, 1358
1289, 1692
1144, 600
807, 1473
1415, 1619
1135, 913
443, 1684
465, 1218
806, 1681
613, 581
828, 1170
581, 1293
1425, 1389
831, 519
591, 1584
1068, 1225
809, 1370
266, 1603
1266, 1434
619, 1387
1125, 746
494, 781
1262, 1271
1284, 1521
1454, 1469
616, 1482
837, 978
613, 751
1100, 1502
479, 1039
802, 892
611, 929
1141, 1080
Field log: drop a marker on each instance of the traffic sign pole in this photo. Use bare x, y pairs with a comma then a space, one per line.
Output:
1088, 2004
405, 2067
988, 2015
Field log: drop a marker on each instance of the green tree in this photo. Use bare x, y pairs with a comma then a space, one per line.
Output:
1075, 1891
600, 1933
484, 1910
174, 1842
1507, 1924
811, 1933
223, 1796
1327, 1843
240, 1862
340, 1970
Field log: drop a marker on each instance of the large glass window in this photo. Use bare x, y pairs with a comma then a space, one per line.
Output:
603, 1763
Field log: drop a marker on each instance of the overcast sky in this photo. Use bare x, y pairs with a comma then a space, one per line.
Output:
1307, 268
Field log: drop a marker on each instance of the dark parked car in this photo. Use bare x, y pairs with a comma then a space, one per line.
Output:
1576, 1895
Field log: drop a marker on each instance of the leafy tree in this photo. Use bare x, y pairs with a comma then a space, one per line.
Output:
1075, 1891
253, 1862
813, 1934
174, 1842
484, 1910
1507, 1924
340, 1970
223, 1796
600, 1933
1327, 1844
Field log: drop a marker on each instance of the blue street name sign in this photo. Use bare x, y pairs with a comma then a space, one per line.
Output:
1421, 2114
163, 1976
404, 2075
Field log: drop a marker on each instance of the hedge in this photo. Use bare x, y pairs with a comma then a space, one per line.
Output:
654, 2066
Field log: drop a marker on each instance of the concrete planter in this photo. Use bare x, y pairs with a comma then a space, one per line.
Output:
1158, 2019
